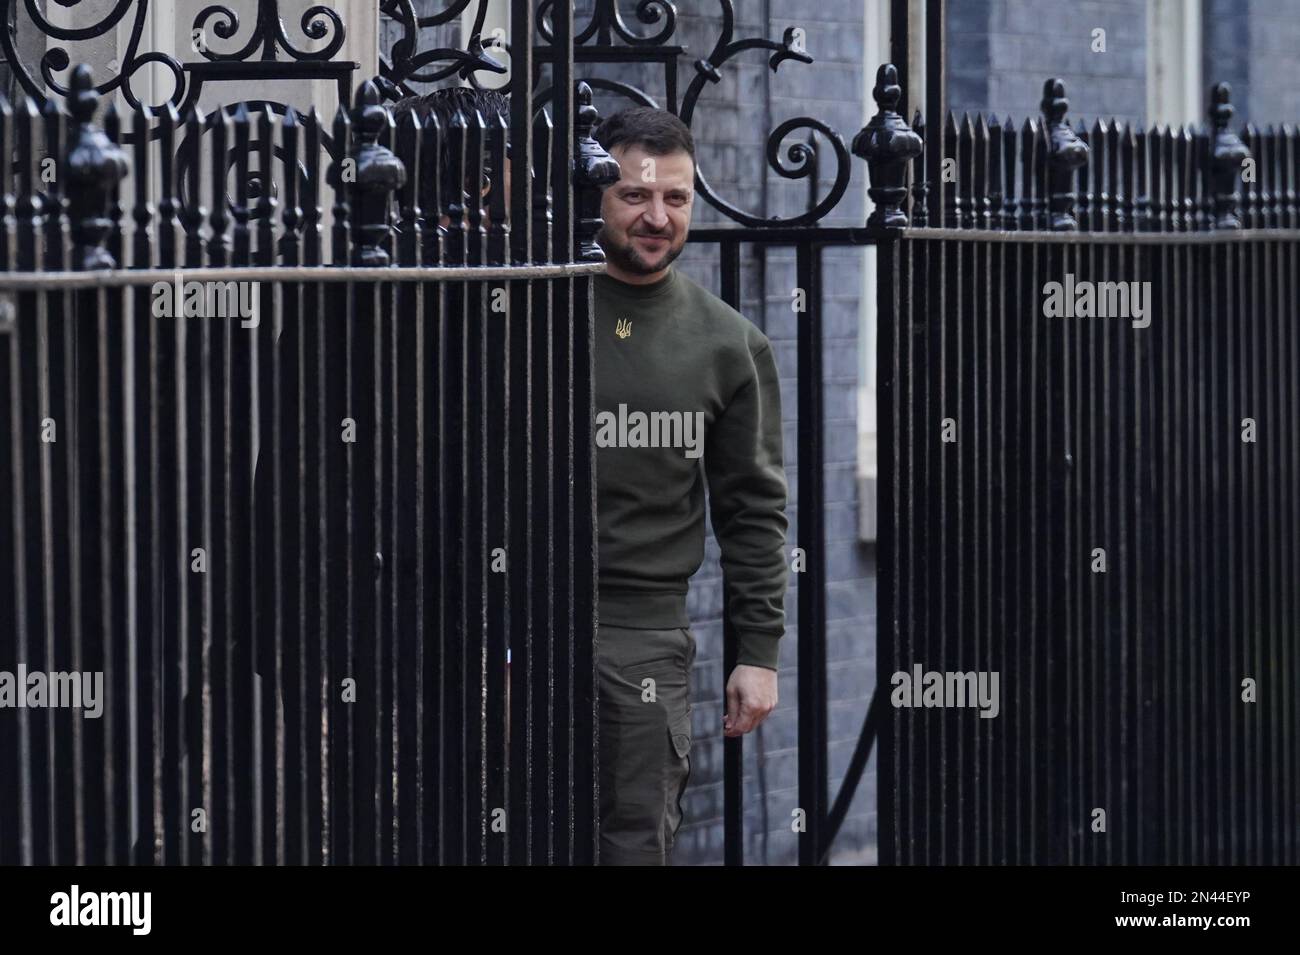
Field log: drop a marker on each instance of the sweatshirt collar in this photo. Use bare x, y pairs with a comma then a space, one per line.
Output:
627, 290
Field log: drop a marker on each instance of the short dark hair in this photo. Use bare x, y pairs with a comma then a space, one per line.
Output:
657, 131
444, 103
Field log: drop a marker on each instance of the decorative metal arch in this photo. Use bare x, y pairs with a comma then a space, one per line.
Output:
268, 53
407, 64
616, 43
609, 38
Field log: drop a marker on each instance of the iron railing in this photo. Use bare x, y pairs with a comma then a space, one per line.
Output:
128, 437
298, 538
1089, 476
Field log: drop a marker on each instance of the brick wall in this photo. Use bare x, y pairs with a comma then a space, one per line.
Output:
1253, 44
1001, 51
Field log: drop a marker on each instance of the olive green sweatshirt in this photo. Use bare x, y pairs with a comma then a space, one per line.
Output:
687, 393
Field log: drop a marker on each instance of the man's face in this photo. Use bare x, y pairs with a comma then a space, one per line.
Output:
445, 221
647, 213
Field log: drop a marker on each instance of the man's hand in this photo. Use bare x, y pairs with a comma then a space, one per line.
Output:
751, 696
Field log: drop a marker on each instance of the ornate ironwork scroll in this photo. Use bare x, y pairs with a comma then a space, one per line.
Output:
610, 37
271, 52
267, 54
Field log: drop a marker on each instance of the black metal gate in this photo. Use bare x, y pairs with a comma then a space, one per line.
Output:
296, 513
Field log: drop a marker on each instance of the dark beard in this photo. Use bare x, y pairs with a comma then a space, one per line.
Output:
629, 259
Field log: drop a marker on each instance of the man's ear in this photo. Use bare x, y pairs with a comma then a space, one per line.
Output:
487, 187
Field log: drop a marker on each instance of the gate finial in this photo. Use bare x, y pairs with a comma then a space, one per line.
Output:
1066, 152
94, 166
887, 143
379, 174
1227, 153
593, 169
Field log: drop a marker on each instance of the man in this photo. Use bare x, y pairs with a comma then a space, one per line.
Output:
686, 394
444, 103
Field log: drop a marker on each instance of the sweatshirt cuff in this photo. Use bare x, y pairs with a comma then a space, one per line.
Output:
759, 650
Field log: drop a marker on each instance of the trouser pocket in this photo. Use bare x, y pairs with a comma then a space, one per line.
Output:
645, 742
680, 734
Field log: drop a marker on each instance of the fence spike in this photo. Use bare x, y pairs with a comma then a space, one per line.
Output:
193, 211
168, 223
1088, 184
113, 131
1264, 194
1028, 139
55, 201
454, 191
1125, 182
141, 209
1251, 217
1097, 166
995, 178
967, 185
435, 233
1289, 173
1114, 215
948, 190
1155, 167
411, 220
1009, 153
499, 224
28, 198
341, 175
291, 214
311, 210
1187, 180
218, 241
1174, 178
240, 209
475, 233
920, 184
263, 185
1272, 162
1141, 182
1204, 195
7, 220
1169, 202
542, 215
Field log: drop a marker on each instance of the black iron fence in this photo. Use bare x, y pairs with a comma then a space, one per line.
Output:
296, 514
1089, 471
298, 536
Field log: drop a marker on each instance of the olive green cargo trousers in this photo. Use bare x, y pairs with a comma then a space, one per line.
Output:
645, 741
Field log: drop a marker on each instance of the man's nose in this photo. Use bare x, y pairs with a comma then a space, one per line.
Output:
656, 216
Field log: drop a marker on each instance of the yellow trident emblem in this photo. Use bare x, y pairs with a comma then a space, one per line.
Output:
623, 328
